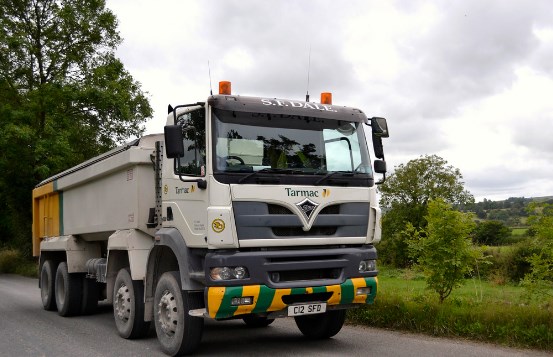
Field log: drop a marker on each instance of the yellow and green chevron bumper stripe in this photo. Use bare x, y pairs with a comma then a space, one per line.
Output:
266, 299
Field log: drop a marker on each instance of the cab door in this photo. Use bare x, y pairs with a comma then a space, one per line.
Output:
185, 202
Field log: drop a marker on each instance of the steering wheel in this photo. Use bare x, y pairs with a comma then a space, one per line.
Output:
237, 158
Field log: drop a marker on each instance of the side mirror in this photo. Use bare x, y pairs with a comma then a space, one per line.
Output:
379, 127
380, 166
174, 146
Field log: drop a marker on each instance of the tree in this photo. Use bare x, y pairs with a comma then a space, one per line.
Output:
64, 97
491, 233
444, 249
539, 281
405, 196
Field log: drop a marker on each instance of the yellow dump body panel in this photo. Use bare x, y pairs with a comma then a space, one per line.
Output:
46, 214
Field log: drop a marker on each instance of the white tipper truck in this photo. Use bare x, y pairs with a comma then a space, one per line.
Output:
246, 208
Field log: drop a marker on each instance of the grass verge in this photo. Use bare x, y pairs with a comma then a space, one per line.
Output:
479, 311
12, 262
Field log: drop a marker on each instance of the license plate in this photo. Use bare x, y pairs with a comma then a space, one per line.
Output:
306, 309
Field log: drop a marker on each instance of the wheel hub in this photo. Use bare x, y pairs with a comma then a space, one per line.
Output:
168, 313
122, 303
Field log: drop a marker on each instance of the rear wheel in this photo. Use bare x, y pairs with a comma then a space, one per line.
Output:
128, 306
47, 284
177, 331
257, 321
68, 289
321, 326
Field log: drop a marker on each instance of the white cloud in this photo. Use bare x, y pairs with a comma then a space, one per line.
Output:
469, 81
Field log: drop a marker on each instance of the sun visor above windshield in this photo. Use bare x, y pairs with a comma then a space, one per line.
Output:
286, 106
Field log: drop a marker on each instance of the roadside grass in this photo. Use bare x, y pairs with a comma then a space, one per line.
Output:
478, 310
12, 262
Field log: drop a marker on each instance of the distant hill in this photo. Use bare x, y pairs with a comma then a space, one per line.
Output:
512, 211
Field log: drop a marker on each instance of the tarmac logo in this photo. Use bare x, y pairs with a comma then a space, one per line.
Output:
305, 193
183, 190
326, 192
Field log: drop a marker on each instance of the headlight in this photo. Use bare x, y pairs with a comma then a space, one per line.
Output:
228, 273
367, 265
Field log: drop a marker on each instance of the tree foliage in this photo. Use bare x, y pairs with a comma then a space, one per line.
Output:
539, 281
491, 233
405, 196
64, 96
443, 250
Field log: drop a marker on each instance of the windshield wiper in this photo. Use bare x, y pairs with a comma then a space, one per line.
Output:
330, 174
279, 171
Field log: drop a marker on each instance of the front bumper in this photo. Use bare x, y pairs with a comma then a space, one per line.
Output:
267, 300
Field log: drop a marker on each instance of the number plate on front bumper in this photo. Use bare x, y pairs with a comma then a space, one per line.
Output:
306, 309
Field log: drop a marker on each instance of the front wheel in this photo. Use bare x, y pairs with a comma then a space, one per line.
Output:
128, 306
177, 331
321, 326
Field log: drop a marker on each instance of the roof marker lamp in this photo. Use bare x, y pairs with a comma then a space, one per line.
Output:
326, 98
224, 88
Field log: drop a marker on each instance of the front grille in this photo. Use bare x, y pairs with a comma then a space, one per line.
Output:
298, 231
301, 258
262, 220
334, 209
304, 275
277, 209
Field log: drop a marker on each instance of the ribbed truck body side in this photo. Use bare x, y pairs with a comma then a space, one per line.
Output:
111, 192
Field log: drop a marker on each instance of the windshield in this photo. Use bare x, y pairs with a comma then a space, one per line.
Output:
279, 143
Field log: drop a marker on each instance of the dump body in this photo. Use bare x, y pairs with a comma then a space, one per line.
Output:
111, 192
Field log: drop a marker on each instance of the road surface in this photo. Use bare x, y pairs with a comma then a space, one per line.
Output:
27, 330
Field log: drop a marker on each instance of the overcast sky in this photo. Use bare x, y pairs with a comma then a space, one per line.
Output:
470, 81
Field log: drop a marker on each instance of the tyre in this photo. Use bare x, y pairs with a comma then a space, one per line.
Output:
321, 326
68, 288
257, 321
128, 306
177, 331
91, 292
47, 285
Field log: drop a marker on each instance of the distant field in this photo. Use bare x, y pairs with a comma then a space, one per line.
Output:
519, 231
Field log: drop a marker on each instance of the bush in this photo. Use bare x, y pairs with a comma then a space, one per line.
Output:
491, 233
9, 260
13, 262
508, 264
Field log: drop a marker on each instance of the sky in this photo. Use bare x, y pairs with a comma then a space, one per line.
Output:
470, 81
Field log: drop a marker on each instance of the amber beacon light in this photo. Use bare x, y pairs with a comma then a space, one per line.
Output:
326, 98
224, 87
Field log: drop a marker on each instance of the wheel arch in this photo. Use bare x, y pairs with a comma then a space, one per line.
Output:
55, 256
170, 253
